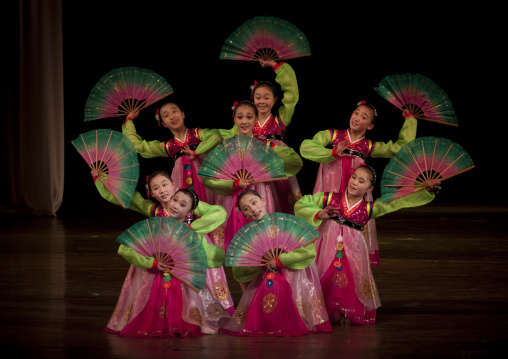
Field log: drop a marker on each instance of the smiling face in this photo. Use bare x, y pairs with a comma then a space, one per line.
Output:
252, 206
172, 117
361, 119
360, 182
162, 188
264, 100
180, 206
245, 119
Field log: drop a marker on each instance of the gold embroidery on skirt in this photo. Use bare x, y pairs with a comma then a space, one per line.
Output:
128, 312
269, 303
367, 290
240, 315
220, 290
340, 279
195, 314
163, 314
214, 310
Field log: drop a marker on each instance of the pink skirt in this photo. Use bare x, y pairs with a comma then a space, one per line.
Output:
286, 303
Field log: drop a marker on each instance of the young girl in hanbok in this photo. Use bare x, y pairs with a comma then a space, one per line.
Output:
187, 148
270, 126
283, 299
349, 288
208, 218
339, 152
245, 115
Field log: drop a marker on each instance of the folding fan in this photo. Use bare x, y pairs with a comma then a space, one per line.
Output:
259, 241
171, 242
243, 157
265, 38
113, 161
124, 89
425, 99
421, 160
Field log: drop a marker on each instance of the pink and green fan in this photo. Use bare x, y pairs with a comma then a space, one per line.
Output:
173, 243
243, 157
113, 160
421, 160
265, 38
124, 89
421, 96
259, 241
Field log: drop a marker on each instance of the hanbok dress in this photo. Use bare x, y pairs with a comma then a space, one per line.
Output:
209, 219
342, 252
287, 302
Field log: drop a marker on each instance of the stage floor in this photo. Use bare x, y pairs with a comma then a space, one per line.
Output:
442, 282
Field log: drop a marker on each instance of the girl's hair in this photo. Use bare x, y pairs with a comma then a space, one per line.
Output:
152, 176
193, 196
263, 84
372, 173
247, 191
369, 105
244, 102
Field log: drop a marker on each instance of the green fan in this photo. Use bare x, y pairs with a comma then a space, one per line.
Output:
124, 89
422, 97
173, 243
243, 157
265, 38
421, 160
113, 161
259, 241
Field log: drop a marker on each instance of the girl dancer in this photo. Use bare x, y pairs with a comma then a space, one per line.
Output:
270, 126
148, 308
283, 299
245, 115
342, 254
161, 188
187, 147
339, 152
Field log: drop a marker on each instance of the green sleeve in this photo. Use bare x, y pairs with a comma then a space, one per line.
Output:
299, 258
219, 186
229, 133
214, 255
415, 199
246, 274
147, 149
307, 207
286, 78
138, 203
209, 139
406, 135
292, 161
212, 216
315, 149
134, 258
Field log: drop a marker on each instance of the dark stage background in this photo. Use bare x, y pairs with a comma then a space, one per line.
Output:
353, 48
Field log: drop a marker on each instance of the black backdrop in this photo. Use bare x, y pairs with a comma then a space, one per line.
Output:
352, 47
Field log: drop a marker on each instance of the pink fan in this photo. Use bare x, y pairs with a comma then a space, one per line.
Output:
113, 161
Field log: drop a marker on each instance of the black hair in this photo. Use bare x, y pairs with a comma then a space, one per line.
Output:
248, 103
372, 173
193, 195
